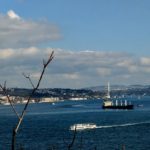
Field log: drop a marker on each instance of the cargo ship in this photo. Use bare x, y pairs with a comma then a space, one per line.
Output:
117, 104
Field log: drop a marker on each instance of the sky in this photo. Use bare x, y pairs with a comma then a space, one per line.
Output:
94, 41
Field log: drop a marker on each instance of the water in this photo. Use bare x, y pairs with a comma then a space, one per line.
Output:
47, 126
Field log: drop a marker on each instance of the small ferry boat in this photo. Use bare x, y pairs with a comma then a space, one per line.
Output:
83, 126
109, 104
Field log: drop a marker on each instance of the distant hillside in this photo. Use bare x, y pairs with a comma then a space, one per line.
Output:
118, 87
88, 93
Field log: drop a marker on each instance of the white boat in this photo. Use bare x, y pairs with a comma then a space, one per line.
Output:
83, 126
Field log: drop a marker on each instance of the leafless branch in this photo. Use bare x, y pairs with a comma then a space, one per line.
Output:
4, 85
33, 91
73, 139
49, 60
9, 100
20, 117
28, 77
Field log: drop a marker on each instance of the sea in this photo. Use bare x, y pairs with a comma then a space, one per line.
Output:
46, 126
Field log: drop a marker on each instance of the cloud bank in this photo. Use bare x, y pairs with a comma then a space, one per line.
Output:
72, 69
15, 32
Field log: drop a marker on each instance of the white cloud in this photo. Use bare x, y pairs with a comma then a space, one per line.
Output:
104, 71
133, 69
12, 15
35, 75
16, 53
16, 32
72, 69
145, 70
6, 53
71, 76
145, 60
125, 63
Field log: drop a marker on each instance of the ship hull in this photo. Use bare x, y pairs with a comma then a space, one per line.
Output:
118, 107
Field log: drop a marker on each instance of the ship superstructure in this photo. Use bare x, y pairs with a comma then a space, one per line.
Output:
118, 104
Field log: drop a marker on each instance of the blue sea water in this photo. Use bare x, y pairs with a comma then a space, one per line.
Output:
47, 126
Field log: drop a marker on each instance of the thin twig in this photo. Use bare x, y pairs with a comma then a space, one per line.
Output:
4, 85
9, 100
28, 77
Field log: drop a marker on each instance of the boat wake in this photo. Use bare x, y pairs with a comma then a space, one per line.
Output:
88, 126
122, 125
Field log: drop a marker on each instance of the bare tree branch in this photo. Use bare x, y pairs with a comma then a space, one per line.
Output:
73, 139
28, 77
4, 85
49, 60
9, 100
33, 91
20, 117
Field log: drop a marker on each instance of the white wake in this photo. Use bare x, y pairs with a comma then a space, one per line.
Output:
122, 125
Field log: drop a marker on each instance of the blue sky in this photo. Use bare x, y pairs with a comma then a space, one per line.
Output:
110, 25
118, 30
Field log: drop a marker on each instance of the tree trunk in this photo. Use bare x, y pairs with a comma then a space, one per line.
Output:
13, 140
